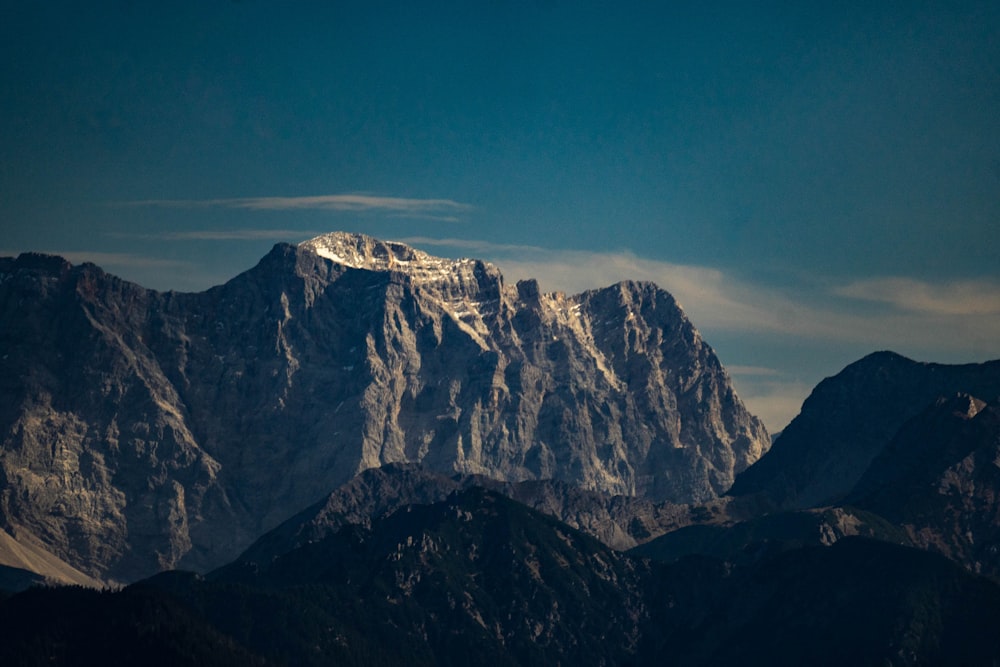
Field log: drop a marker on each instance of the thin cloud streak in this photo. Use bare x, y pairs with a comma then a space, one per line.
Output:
467, 244
755, 371
336, 202
954, 298
226, 235
427, 216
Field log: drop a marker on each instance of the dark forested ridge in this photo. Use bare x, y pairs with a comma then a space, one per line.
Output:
481, 579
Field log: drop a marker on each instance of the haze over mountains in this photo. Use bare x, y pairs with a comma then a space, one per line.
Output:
388, 455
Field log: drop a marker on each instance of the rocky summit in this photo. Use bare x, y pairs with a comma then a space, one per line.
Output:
141, 430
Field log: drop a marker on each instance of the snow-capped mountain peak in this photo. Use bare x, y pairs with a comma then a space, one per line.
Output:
361, 251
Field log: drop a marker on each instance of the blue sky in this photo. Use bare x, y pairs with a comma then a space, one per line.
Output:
813, 181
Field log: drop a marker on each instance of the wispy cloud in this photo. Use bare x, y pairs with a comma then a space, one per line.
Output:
289, 235
968, 297
754, 371
440, 209
471, 244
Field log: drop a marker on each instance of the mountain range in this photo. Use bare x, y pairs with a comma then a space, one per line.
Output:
370, 455
143, 431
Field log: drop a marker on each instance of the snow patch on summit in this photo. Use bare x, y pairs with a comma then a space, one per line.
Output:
360, 251
449, 282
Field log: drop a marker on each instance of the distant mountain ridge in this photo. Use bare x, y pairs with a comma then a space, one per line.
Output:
141, 430
902, 451
620, 522
849, 419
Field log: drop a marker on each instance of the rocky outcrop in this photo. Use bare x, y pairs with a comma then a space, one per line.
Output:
142, 430
97, 459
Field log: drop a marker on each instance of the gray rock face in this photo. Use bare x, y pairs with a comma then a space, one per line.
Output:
144, 430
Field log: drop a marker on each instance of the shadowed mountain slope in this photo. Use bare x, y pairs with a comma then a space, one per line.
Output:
481, 579
848, 420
